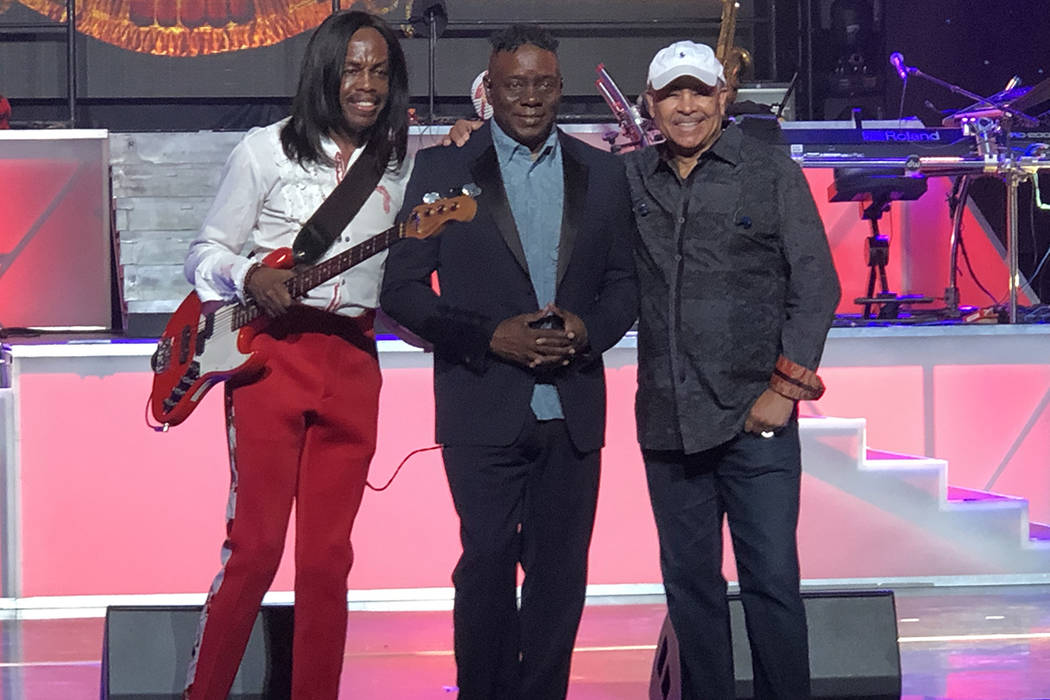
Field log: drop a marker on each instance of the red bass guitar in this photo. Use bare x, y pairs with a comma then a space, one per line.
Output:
198, 350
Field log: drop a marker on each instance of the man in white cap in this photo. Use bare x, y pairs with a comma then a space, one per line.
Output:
737, 294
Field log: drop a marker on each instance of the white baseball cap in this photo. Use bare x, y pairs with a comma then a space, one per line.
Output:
685, 58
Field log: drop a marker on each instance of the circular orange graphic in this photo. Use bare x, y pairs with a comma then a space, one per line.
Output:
199, 27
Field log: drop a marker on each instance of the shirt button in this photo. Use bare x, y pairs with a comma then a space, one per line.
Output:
678, 258
681, 219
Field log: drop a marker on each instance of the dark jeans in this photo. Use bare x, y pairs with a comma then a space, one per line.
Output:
532, 502
754, 483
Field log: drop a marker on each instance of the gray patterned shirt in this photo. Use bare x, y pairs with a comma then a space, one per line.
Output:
734, 270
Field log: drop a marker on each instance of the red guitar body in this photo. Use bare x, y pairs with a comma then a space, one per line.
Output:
199, 349
204, 344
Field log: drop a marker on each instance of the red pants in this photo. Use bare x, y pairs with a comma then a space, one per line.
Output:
304, 432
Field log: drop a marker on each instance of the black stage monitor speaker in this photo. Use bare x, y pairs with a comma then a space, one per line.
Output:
146, 652
853, 650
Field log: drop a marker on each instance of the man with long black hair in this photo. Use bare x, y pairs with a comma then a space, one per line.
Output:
306, 430
533, 290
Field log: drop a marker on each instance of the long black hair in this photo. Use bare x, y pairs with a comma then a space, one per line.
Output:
316, 110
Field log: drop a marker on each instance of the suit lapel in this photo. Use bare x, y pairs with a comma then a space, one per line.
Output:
572, 219
493, 199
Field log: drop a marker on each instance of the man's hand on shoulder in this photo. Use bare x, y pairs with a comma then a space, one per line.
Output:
770, 412
460, 132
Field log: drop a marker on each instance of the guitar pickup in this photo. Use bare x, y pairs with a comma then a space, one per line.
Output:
192, 372
184, 345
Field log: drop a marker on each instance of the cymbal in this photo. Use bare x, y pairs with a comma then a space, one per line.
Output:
1032, 97
1018, 101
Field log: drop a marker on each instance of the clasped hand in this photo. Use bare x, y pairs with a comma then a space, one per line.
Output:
517, 341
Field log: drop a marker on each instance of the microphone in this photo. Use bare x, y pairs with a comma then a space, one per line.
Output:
933, 108
897, 61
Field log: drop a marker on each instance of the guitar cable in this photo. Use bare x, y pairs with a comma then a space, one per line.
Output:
393, 476
159, 427
163, 428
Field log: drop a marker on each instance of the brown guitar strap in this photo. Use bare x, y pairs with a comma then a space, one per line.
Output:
339, 209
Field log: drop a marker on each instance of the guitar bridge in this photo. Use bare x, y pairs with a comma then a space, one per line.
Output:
161, 359
184, 345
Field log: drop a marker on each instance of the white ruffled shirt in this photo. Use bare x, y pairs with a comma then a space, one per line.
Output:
264, 199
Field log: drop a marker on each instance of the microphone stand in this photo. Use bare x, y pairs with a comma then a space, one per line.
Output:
431, 15
951, 87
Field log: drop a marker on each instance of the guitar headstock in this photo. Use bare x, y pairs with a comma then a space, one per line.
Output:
428, 219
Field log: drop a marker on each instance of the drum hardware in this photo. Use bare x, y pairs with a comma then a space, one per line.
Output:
875, 190
989, 122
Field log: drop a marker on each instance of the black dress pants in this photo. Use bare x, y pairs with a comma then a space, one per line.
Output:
531, 503
754, 483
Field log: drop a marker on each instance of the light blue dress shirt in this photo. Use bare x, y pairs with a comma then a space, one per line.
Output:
535, 186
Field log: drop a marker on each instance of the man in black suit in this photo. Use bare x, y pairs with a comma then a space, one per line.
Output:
531, 293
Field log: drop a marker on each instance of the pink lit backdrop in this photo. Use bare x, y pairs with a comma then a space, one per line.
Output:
110, 507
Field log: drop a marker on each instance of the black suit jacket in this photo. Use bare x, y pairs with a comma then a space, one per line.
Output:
480, 398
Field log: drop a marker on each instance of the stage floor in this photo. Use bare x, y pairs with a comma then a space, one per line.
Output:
963, 643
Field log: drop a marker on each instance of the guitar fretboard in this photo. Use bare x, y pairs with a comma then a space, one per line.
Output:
323, 271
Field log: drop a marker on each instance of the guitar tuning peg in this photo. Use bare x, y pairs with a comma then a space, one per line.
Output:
431, 197
470, 189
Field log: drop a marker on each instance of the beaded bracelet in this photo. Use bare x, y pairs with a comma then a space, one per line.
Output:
248, 276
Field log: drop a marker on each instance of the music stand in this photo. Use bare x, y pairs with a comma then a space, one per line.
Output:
875, 190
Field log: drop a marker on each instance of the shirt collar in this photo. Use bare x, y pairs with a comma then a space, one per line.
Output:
509, 149
726, 147
331, 149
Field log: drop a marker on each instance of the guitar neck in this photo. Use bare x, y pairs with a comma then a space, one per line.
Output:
320, 273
